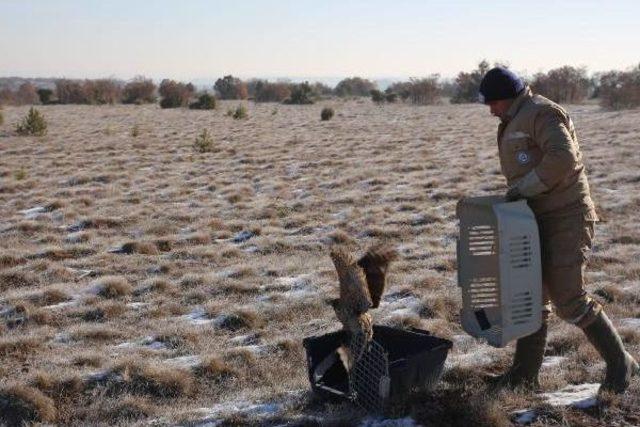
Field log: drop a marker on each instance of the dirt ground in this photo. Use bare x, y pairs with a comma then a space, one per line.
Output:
144, 282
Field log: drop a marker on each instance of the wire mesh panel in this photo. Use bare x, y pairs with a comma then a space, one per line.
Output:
499, 269
369, 379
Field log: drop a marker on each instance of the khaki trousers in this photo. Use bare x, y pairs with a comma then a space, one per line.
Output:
565, 246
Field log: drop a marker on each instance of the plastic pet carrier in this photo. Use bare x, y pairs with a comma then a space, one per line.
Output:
499, 269
394, 364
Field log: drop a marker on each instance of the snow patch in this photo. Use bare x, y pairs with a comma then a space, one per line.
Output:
296, 287
389, 422
479, 357
630, 322
137, 305
579, 396
148, 342
186, 362
242, 236
256, 349
198, 317
524, 416
76, 237
82, 273
61, 305
33, 213
404, 306
551, 361
215, 415
248, 339
62, 338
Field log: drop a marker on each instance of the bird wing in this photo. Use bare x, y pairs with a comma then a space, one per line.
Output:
375, 263
354, 294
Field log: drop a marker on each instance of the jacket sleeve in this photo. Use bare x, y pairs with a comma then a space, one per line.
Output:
552, 132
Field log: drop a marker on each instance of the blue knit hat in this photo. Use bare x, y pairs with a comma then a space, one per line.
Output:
500, 83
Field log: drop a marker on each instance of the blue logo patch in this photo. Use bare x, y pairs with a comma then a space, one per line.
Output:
523, 157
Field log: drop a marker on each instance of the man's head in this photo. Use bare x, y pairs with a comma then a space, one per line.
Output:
498, 89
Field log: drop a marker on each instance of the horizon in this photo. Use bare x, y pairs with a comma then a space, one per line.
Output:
306, 41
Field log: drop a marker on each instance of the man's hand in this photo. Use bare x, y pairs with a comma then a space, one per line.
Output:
513, 194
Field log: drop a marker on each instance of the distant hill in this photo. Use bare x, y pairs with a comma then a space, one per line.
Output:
14, 83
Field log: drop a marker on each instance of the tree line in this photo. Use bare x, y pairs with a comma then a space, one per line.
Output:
567, 84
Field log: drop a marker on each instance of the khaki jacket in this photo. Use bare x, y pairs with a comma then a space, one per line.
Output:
539, 154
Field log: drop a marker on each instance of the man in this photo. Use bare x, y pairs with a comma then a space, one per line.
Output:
541, 160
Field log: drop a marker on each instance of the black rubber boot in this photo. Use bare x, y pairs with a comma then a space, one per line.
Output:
621, 366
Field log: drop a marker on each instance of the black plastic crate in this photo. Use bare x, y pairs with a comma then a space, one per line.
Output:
396, 363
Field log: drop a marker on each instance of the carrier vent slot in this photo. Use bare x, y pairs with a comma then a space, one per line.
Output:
520, 251
482, 240
521, 308
484, 293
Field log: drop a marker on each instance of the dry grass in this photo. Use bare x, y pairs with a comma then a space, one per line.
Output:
113, 287
222, 257
214, 368
153, 381
19, 346
20, 404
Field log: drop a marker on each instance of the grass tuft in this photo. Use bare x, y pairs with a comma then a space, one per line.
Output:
113, 287
21, 404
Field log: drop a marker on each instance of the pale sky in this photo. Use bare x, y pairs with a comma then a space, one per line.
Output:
191, 39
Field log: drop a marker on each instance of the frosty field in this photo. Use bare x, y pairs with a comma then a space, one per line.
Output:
143, 282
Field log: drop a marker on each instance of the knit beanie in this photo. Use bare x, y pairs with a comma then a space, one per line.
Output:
500, 83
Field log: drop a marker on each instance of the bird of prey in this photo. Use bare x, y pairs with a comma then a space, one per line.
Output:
375, 264
362, 283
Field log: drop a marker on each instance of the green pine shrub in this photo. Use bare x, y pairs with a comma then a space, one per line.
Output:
326, 113
203, 142
32, 124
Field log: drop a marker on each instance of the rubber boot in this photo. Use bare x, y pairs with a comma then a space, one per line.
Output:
621, 366
527, 361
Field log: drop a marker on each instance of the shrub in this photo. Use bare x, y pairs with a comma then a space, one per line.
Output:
300, 94
467, 85
377, 96
102, 91
321, 90
174, 94
424, 91
20, 174
140, 90
354, 86
271, 92
1, 118
229, 87
45, 96
326, 113
204, 102
26, 95
203, 142
564, 84
402, 89
33, 124
6, 96
390, 96
135, 131
240, 112
620, 89
70, 92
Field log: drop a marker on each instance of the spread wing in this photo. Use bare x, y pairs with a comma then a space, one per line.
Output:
354, 294
375, 263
